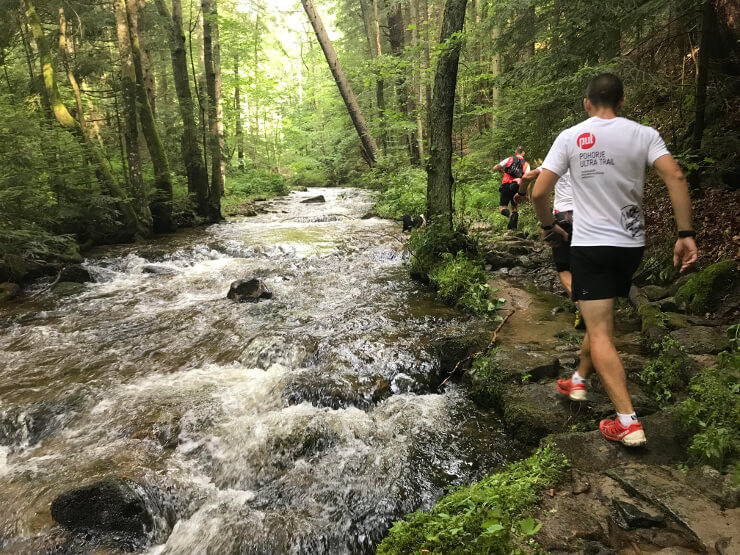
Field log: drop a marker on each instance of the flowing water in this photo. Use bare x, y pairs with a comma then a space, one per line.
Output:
306, 423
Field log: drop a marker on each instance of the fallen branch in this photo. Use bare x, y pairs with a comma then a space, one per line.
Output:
484, 351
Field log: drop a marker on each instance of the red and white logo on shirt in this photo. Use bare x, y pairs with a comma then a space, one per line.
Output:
586, 141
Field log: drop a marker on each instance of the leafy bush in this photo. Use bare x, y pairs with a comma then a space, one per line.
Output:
486, 517
308, 174
663, 376
712, 413
428, 245
258, 183
403, 192
462, 283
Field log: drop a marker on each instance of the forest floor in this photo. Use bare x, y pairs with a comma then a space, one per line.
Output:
616, 500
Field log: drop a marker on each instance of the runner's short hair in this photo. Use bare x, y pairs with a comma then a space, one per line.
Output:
605, 90
519, 149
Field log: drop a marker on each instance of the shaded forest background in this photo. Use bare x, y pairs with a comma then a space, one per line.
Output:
127, 118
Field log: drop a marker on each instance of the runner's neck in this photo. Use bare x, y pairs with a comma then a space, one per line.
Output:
603, 113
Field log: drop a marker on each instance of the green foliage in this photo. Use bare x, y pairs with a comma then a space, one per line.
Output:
698, 291
463, 283
487, 517
48, 193
663, 375
258, 183
307, 173
712, 414
403, 191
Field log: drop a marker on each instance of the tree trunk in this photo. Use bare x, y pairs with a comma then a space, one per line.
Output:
131, 128
368, 142
195, 169
238, 110
161, 202
372, 30
707, 19
396, 38
146, 56
214, 195
216, 47
439, 167
418, 86
66, 120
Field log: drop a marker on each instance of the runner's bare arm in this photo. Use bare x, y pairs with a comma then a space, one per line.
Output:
498, 168
528, 178
670, 172
541, 195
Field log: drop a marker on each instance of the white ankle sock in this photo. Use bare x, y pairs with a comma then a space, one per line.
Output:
626, 419
576, 378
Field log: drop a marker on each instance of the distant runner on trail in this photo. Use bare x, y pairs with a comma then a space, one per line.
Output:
513, 169
563, 212
607, 156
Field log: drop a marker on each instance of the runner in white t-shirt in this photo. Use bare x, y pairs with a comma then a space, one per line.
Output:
607, 156
563, 211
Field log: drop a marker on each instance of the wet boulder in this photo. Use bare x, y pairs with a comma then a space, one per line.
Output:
75, 273
111, 505
316, 199
248, 290
158, 269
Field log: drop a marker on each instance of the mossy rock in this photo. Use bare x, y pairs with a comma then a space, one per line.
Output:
702, 292
675, 321
653, 322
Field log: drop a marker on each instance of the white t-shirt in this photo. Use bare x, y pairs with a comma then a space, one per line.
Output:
563, 193
607, 160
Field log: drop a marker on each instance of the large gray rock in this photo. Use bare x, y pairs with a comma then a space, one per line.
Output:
525, 363
667, 489
700, 340
317, 198
248, 290
111, 505
717, 487
591, 452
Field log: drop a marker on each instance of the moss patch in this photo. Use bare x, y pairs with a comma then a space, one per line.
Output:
489, 516
699, 292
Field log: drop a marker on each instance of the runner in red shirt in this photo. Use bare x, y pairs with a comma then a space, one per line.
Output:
513, 169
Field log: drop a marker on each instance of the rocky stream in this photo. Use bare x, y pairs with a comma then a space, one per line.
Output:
304, 423
145, 411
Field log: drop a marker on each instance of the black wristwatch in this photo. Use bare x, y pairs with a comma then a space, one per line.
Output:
548, 227
524, 194
686, 233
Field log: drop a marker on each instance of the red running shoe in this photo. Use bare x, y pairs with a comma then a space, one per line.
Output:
633, 436
574, 391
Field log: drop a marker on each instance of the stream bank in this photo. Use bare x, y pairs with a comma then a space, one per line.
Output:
658, 499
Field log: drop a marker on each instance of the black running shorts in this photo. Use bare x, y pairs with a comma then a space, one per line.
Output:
603, 272
507, 192
561, 254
